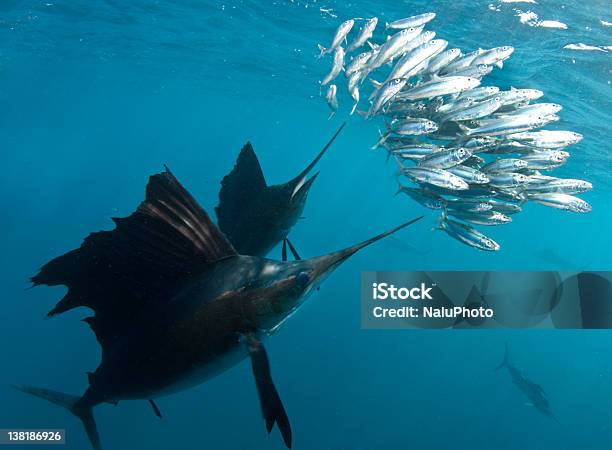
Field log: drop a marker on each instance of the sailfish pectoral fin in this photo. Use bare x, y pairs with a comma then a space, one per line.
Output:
271, 405
155, 409
296, 255
294, 252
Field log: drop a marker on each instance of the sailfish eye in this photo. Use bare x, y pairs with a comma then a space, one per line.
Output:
302, 280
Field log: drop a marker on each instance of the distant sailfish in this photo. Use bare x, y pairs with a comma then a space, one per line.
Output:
254, 216
175, 305
534, 392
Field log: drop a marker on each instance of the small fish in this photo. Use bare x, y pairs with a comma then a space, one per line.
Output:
467, 234
511, 194
414, 127
444, 159
548, 138
353, 81
469, 174
504, 165
423, 197
538, 178
545, 160
565, 202
384, 94
332, 100
510, 146
478, 71
355, 96
398, 142
494, 56
408, 155
404, 108
440, 86
414, 43
514, 95
474, 161
453, 105
471, 205
411, 60
365, 33
392, 47
461, 63
535, 185
336, 67
475, 111
442, 60
435, 177
481, 218
414, 21
481, 193
357, 64
414, 152
480, 93
506, 125
504, 207
505, 179
341, 33
353, 88
584, 47
478, 144
419, 69
543, 109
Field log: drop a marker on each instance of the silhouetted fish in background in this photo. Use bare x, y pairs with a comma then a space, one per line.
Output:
175, 304
254, 216
534, 392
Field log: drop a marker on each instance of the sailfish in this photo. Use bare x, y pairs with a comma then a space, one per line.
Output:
174, 304
533, 391
255, 217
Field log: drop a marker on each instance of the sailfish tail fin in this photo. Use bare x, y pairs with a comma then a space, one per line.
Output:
504, 363
73, 404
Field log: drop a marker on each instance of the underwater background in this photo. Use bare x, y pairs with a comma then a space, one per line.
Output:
97, 95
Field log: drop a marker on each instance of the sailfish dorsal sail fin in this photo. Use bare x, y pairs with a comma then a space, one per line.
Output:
166, 240
239, 187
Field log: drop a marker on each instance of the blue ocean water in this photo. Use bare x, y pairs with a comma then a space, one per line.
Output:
97, 95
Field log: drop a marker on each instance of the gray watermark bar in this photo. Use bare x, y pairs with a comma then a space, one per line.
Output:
517, 300
32, 436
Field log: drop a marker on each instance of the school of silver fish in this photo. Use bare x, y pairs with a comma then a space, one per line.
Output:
476, 153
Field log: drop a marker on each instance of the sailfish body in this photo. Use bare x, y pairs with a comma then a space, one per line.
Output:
533, 391
175, 304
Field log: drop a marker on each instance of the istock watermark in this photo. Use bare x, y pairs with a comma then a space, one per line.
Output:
384, 291
389, 292
486, 300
